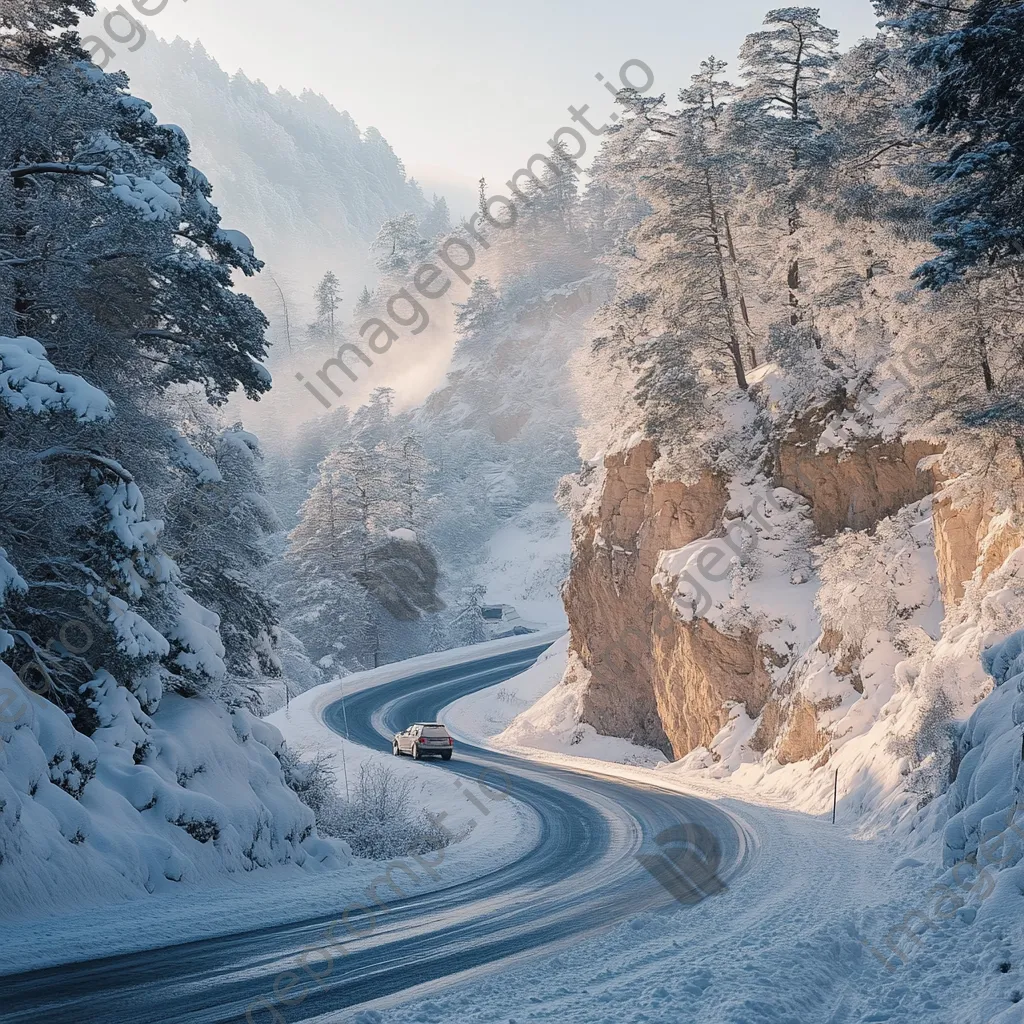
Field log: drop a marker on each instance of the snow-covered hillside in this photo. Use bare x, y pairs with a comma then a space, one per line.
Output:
84, 822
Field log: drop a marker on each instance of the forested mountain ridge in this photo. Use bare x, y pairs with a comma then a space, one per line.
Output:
478, 461
310, 186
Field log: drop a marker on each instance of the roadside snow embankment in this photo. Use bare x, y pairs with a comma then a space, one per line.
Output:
81, 823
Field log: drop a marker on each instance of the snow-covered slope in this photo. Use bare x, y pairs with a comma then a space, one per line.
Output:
81, 822
527, 560
501, 431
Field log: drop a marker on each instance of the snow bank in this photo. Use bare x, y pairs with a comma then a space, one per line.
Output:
985, 823
82, 823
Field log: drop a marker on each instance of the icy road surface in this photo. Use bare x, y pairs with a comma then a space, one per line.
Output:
580, 877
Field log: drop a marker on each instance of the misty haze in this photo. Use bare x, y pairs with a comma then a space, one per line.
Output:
511, 514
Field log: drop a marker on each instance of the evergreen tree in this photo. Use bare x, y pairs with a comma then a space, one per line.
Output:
364, 301
329, 611
480, 310
438, 221
410, 470
976, 102
115, 268
774, 121
30, 36
328, 301
467, 626
219, 525
399, 246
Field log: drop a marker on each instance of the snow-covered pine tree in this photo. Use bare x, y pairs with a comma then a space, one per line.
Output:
114, 259
33, 33
438, 222
399, 246
480, 310
220, 521
677, 319
327, 608
409, 469
467, 625
975, 103
327, 296
774, 124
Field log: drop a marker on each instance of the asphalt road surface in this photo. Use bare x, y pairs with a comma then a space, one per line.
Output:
593, 866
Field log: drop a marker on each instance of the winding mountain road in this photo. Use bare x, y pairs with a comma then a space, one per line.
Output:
581, 876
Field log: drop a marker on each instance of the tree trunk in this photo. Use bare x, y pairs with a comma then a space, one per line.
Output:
733, 345
986, 367
793, 281
734, 265
737, 364
22, 303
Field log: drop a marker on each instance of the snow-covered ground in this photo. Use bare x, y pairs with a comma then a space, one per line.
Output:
527, 559
83, 824
828, 924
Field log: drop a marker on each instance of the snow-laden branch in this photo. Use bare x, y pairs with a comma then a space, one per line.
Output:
64, 452
88, 170
28, 380
155, 197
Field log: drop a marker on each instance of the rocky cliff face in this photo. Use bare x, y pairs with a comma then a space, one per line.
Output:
697, 672
670, 683
608, 597
972, 540
854, 487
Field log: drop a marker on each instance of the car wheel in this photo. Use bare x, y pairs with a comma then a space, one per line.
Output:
395, 749
446, 756
415, 752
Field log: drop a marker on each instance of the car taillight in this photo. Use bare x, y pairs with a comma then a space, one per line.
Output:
451, 742
423, 739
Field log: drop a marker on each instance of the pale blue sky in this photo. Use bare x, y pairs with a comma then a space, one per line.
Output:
462, 88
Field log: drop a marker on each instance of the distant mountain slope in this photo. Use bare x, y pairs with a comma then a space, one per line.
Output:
310, 188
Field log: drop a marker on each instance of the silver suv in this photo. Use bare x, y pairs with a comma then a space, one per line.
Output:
422, 739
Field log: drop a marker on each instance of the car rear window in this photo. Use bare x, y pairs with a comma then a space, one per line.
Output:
434, 730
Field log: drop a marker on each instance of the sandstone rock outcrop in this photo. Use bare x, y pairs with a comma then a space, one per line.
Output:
608, 596
972, 539
958, 533
667, 683
695, 670
857, 486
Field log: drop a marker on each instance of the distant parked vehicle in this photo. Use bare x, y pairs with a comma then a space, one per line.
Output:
424, 739
501, 620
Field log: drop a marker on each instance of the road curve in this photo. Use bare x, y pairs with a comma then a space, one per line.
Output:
581, 876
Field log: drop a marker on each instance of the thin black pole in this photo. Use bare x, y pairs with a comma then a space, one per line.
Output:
835, 795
